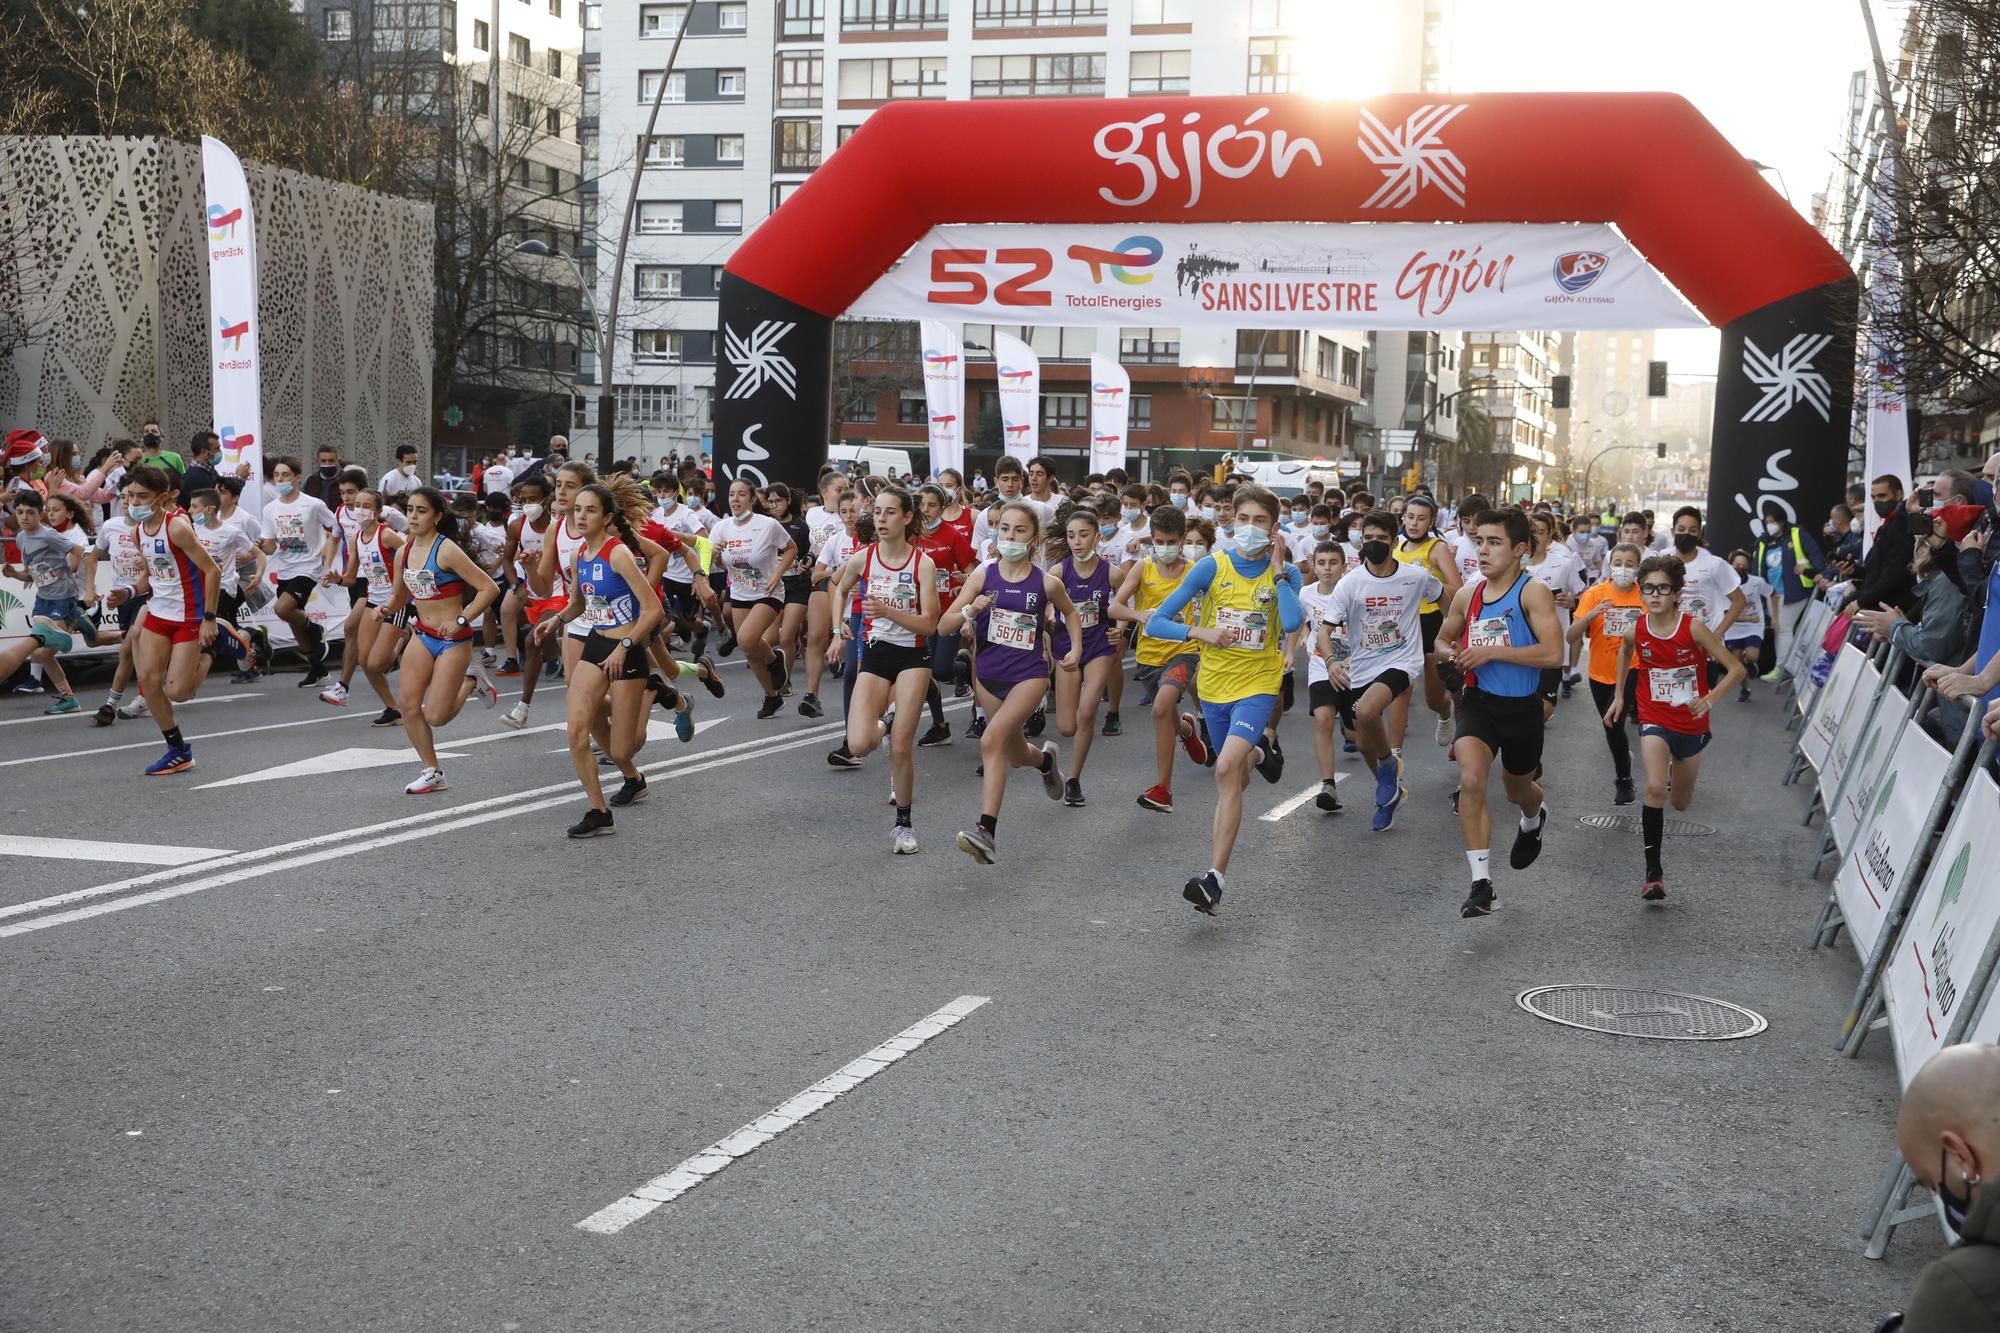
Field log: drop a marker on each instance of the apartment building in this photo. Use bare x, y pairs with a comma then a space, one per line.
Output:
1511, 372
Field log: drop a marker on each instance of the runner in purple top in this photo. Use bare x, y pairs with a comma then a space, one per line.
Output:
1087, 579
1008, 600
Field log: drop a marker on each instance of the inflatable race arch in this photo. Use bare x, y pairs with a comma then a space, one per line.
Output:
1559, 211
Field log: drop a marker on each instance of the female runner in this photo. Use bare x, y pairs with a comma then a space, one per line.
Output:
372, 556
951, 555
179, 621
1086, 577
781, 503
437, 674
756, 551
1007, 602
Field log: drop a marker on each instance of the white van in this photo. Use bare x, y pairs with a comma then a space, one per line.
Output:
872, 458
1286, 477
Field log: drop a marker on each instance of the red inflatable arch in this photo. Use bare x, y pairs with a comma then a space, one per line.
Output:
1691, 204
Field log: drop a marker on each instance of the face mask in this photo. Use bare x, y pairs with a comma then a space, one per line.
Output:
534, 512
933, 524
1011, 550
1106, 529
1375, 552
1251, 539
285, 487
328, 472
1319, 531
1956, 1205
669, 503
1208, 512
1884, 508
1623, 576
211, 520
1686, 542
1298, 520
1180, 502
152, 441
1166, 552
1771, 527
1354, 536
139, 512
1192, 553
1131, 515
408, 469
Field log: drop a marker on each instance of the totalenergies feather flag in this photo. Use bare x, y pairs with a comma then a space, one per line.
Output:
944, 395
229, 233
1020, 395
1110, 412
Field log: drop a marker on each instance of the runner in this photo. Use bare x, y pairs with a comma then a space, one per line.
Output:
1667, 647
1242, 665
756, 551
823, 523
1606, 612
686, 591
1710, 590
1555, 567
1746, 634
788, 632
1166, 670
611, 612
230, 547
1007, 602
1380, 607
437, 673
950, 553
50, 561
347, 520
1503, 635
371, 564
1087, 580
184, 586
530, 599
1420, 544
1326, 644
299, 534
898, 585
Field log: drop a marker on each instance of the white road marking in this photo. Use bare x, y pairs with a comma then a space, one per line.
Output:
657, 730
333, 761
662, 1189
77, 849
215, 699
1283, 808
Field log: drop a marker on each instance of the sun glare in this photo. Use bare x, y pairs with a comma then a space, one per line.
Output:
1345, 49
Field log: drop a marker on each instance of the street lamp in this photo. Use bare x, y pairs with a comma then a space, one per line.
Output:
541, 250
1765, 166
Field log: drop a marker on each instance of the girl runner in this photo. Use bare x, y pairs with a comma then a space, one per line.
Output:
756, 551
788, 631
613, 603
1671, 649
1606, 612
437, 673
950, 553
1087, 579
1745, 635
528, 600
371, 558
180, 612
1007, 604
899, 590
833, 557
1166, 670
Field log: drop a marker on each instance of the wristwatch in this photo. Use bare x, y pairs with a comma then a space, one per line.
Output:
208, 616
625, 642
463, 623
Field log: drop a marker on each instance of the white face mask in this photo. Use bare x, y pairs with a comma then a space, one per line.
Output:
534, 512
1011, 550
1208, 512
1251, 539
1772, 527
1131, 515
408, 469
933, 524
1623, 576
1354, 536
1166, 552
1192, 552
1180, 500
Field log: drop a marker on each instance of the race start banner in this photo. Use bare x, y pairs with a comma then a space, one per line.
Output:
1351, 275
229, 234
944, 395
1110, 412
1892, 829
1020, 395
1952, 918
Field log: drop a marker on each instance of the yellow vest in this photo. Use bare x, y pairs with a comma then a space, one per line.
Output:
1420, 556
1251, 606
1154, 588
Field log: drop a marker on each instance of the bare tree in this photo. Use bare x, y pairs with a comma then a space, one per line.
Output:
872, 358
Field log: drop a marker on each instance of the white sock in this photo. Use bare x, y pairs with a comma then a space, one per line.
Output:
1480, 861
114, 697
1530, 825
1218, 876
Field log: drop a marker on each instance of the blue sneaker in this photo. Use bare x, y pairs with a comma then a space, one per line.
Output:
1388, 780
1385, 814
177, 759
65, 703
684, 724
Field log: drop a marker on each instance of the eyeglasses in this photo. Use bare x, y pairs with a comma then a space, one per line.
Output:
1657, 589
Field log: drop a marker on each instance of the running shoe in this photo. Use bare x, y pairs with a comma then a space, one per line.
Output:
1454, 800
552, 669
1774, 675
1385, 814
633, 789
1388, 780
728, 642
906, 840
711, 679
781, 676
837, 668
1037, 722
1623, 792
388, 717
939, 734
1073, 793
487, 692
1191, 741
1052, 774
958, 691
1112, 726
769, 708
1654, 889
1743, 694
510, 667
1207, 741
1444, 729
1287, 690
133, 708
487, 657
977, 843
260, 641
429, 780
809, 707
245, 676
1271, 764
1568, 688
976, 730
177, 759
104, 716
1158, 798
516, 717
1204, 891
1349, 747
315, 673
1328, 798
684, 724
842, 758
335, 694
65, 703
1479, 902
594, 824
1528, 843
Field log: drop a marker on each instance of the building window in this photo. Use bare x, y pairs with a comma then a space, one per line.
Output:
1271, 66
340, 25
1154, 12
729, 215
893, 15
1038, 76
783, 190
408, 27
859, 410
1159, 72
482, 36
657, 281
733, 18
1149, 347
729, 148
552, 121
649, 86
1142, 411
656, 345
591, 79
797, 145
661, 20
520, 111
1037, 13
555, 7
729, 83
1050, 342
593, 17
912, 409
886, 80
1266, 14
1228, 413
659, 217
801, 20
1350, 367
482, 102
517, 49
800, 77
1065, 411
555, 63
843, 134
647, 404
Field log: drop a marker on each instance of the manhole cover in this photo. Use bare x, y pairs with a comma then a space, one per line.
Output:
1685, 828
1664, 1015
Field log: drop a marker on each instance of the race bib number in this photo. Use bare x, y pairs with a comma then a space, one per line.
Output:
1010, 629
1252, 627
422, 583
292, 533
1087, 612
1619, 620
127, 566
161, 568
596, 609
1673, 685
1381, 636
1695, 606
45, 574
1491, 632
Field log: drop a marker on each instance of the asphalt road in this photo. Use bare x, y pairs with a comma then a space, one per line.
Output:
368, 1059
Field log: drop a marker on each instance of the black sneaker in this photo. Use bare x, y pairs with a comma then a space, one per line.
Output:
939, 734
809, 707
315, 673
1328, 798
842, 758
594, 824
388, 717
781, 676
1287, 690
104, 716
1203, 892
1623, 792
1073, 793
976, 730
1528, 843
958, 691
260, 640
1742, 696
728, 645
1036, 723
552, 669
633, 789
1272, 766
1479, 902
711, 679
1112, 727
1454, 800
769, 708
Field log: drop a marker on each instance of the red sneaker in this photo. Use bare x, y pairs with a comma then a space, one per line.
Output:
1157, 798
1191, 740
1654, 889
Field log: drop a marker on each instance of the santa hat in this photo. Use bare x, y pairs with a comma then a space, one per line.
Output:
25, 446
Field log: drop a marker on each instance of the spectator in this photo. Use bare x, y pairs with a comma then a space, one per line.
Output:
1938, 633
204, 464
153, 451
324, 484
1885, 572
1843, 536
497, 479
400, 480
1949, 1131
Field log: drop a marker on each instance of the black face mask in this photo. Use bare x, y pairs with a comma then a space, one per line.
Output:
1686, 542
1884, 508
1375, 552
152, 441
329, 472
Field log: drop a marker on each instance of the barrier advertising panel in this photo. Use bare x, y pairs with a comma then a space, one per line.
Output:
1893, 825
1831, 708
1951, 920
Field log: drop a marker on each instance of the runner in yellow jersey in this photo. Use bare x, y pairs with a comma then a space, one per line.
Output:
1421, 545
1248, 606
1167, 670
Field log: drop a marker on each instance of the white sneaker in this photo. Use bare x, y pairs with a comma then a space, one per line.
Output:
134, 707
488, 658
906, 840
516, 717
1444, 731
335, 693
483, 688
430, 780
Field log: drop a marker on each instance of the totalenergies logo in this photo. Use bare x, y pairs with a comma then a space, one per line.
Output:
1013, 378
222, 222
942, 362
1134, 252
1107, 395
231, 441
231, 332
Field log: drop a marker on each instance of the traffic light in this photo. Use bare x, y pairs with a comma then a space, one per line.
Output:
1662, 446
1656, 379
1559, 392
